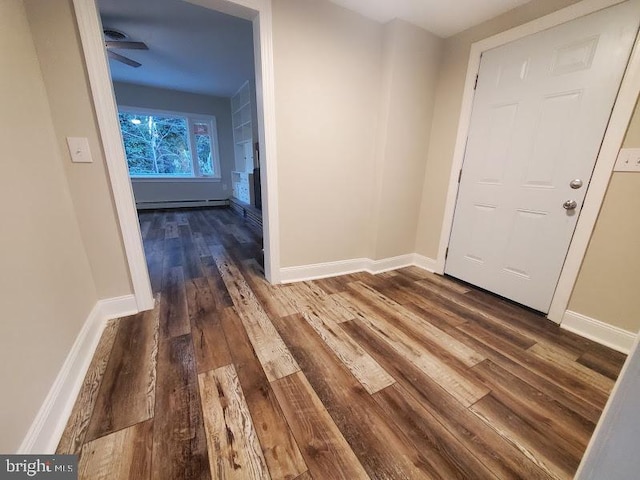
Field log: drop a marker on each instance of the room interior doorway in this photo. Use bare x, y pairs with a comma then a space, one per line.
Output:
106, 111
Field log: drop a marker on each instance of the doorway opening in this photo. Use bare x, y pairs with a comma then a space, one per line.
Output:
184, 83
258, 16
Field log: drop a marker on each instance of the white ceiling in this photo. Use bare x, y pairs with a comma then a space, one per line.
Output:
194, 49
191, 48
442, 17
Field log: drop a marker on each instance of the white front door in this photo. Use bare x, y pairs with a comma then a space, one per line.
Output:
540, 111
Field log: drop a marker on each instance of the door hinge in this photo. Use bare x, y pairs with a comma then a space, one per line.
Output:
446, 253
459, 175
475, 85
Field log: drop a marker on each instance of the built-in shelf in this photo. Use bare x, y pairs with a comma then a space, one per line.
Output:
243, 121
241, 107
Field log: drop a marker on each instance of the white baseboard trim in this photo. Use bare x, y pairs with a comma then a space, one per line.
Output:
603, 333
47, 428
425, 263
391, 263
344, 267
118, 306
322, 270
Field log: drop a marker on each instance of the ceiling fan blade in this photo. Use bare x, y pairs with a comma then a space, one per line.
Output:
123, 59
127, 45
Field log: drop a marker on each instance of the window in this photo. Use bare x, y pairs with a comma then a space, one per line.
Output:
169, 144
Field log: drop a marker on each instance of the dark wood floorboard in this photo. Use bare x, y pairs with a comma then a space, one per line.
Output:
402, 375
174, 320
447, 456
128, 387
360, 419
75, 434
122, 454
210, 345
493, 450
179, 440
281, 451
323, 446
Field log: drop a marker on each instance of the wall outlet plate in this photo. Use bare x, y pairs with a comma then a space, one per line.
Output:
628, 160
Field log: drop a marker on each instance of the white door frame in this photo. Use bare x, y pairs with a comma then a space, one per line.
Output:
612, 142
89, 25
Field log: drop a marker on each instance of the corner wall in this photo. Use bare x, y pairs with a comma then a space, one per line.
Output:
411, 58
354, 103
327, 67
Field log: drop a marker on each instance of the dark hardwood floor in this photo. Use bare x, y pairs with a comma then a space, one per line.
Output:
402, 375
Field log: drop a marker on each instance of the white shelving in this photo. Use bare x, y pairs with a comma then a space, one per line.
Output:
242, 120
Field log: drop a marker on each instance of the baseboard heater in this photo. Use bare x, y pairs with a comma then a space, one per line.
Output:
252, 214
182, 204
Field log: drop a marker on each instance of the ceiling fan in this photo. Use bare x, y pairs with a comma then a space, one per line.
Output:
115, 39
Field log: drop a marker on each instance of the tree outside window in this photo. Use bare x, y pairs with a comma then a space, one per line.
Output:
162, 145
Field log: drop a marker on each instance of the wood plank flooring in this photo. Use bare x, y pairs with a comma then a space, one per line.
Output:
402, 375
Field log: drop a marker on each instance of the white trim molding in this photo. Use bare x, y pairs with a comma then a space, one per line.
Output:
117, 307
104, 101
603, 333
622, 110
322, 270
266, 105
391, 263
47, 428
259, 12
344, 267
426, 263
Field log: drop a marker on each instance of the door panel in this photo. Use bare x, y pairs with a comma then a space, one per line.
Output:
494, 160
540, 111
550, 143
482, 225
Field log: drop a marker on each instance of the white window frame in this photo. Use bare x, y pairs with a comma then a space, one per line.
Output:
192, 118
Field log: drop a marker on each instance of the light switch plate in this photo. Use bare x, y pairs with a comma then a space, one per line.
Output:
628, 160
79, 149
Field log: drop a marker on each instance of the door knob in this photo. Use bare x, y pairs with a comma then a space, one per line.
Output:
575, 184
570, 205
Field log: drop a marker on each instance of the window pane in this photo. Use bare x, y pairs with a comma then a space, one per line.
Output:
156, 145
203, 147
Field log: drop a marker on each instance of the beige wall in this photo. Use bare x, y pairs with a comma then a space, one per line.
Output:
447, 111
46, 283
606, 288
411, 59
327, 79
354, 100
62, 64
